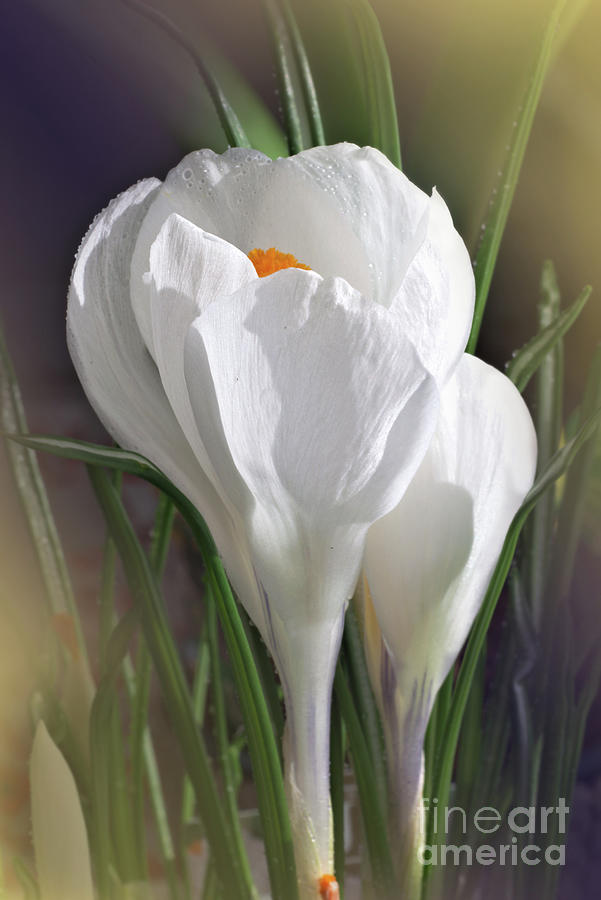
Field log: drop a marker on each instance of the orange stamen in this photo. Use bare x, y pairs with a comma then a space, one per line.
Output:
266, 262
328, 888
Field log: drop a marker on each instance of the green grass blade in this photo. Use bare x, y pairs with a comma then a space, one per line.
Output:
292, 96
526, 655
220, 719
261, 128
107, 588
116, 459
470, 740
548, 419
159, 808
376, 78
372, 812
108, 753
549, 386
267, 674
435, 731
200, 686
261, 741
161, 535
140, 698
233, 872
365, 702
140, 731
527, 360
234, 132
106, 806
35, 502
351, 72
488, 250
305, 75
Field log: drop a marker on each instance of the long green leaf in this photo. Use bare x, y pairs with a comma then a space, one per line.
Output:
527, 360
486, 256
296, 120
260, 126
110, 458
352, 73
365, 703
140, 700
470, 739
143, 757
305, 75
35, 502
555, 469
220, 719
548, 418
230, 122
373, 814
266, 669
106, 836
376, 78
233, 872
261, 742
200, 688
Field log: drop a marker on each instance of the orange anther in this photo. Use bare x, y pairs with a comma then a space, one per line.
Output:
266, 262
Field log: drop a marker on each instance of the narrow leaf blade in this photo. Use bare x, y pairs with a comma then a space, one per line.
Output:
35, 501
486, 256
527, 360
290, 80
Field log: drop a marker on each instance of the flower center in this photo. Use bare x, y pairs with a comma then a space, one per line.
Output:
266, 262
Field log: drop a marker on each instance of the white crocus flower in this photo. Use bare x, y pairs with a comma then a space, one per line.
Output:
429, 561
292, 409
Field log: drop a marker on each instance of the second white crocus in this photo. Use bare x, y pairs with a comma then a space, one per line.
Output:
429, 561
292, 409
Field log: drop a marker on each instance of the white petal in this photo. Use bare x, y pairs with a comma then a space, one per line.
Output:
341, 210
436, 299
387, 212
429, 561
307, 656
60, 839
189, 269
322, 406
119, 376
114, 367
